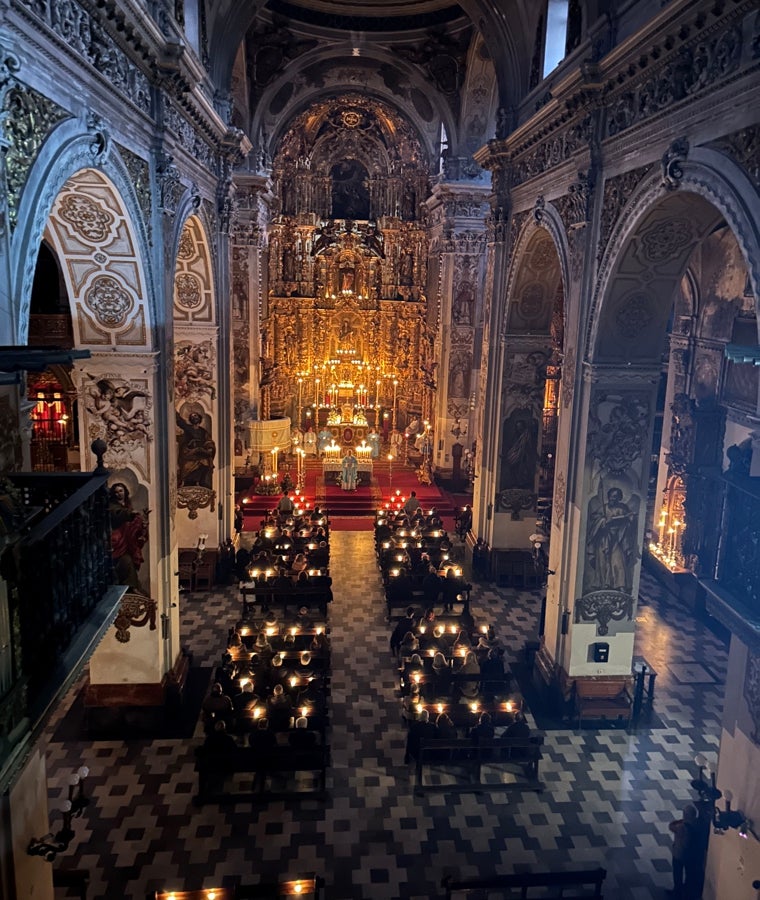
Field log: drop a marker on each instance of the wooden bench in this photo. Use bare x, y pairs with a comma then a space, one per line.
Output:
217, 770
602, 698
269, 598
520, 755
450, 684
585, 883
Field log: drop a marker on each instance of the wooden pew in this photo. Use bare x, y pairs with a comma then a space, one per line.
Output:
265, 596
602, 698
217, 770
585, 883
519, 755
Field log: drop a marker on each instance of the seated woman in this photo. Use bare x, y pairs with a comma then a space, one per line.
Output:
409, 704
299, 564
470, 688
462, 642
409, 645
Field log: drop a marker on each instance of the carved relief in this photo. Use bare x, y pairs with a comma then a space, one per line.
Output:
194, 370
604, 607
87, 218
744, 147
109, 301
618, 430
139, 177
135, 611
119, 411
666, 238
617, 192
633, 314
188, 291
560, 499
693, 69
29, 118
682, 434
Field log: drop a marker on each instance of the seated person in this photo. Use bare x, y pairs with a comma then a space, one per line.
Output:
299, 564
412, 504
483, 731
403, 627
409, 704
280, 707
234, 639
492, 672
453, 586
218, 740
409, 645
519, 729
444, 728
262, 739
244, 703
216, 707
301, 738
431, 586
470, 688
286, 506
462, 642
421, 730
399, 591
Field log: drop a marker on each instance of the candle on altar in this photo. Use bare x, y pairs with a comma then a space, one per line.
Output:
316, 392
377, 394
275, 451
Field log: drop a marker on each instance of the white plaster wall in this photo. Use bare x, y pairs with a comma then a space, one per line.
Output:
136, 662
29, 819
733, 862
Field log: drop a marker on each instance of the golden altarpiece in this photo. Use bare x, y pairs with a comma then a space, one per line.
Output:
348, 336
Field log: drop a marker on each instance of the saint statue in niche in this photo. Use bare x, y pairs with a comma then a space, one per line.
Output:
519, 450
611, 545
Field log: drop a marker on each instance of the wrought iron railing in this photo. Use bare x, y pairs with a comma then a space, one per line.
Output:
56, 567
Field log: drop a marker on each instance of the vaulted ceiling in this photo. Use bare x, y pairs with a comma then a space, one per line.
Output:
438, 63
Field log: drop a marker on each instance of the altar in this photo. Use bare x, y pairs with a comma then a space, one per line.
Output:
347, 426
332, 459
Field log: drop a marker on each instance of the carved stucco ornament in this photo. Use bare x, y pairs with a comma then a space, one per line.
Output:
672, 164
539, 210
136, 611
604, 607
195, 498
515, 500
108, 300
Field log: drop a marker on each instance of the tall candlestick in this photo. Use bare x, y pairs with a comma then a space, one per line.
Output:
395, 390
377, 394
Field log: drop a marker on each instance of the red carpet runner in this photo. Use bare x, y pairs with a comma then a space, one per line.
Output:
349, 508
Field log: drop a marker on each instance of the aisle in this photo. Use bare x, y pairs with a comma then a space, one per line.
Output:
609, 797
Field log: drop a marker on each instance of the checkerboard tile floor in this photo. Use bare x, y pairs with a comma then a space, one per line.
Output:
609, 794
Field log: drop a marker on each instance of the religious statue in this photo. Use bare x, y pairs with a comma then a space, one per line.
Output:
406, 268
349, 470
129, 532
196, 452
611, 545
519, 450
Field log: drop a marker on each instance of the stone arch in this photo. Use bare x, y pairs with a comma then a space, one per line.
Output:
533, 334
194, 295
111, 192
545, 219
646, 255
196, 412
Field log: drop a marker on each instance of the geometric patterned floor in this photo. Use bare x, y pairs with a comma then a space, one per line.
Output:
609, 795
